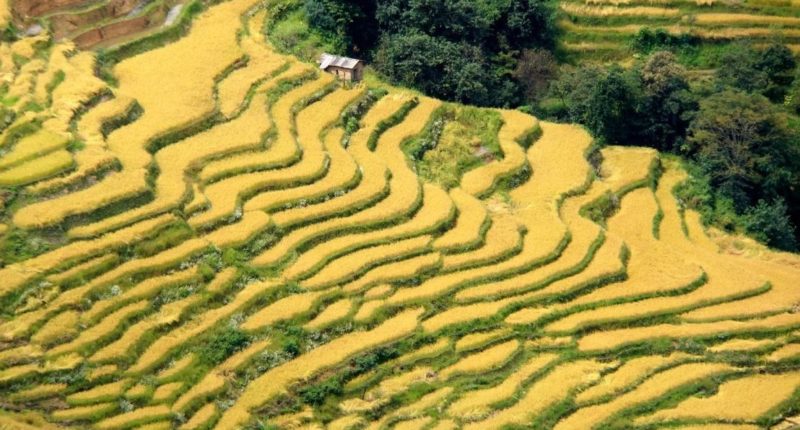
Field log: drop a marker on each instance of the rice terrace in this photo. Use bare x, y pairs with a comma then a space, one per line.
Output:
201, 231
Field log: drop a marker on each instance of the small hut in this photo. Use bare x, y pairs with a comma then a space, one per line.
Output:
348, 69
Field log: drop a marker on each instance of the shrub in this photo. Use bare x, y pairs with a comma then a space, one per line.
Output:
769, 223
315, 394
223, 344
648, 40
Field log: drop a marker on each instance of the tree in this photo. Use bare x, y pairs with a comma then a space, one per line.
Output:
453, 71
667, 103
792, 99
770, 224
740, 69
535, 70
744, 144
575, 88
478, 40
769, 72
350, 23
611, 110
455, 20
647, 40
779, 65
528, 23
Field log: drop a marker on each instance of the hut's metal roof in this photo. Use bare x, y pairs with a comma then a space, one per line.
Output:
328, 60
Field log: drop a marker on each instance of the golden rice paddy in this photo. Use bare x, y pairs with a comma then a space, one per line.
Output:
602, 30
267, 263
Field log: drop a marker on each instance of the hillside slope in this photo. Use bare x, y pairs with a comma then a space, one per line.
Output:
209, 245
605, 29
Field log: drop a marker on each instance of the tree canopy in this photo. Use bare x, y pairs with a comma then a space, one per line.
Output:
461, 50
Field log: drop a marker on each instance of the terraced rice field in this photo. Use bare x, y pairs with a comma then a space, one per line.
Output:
219, 251
603, 29
100, 23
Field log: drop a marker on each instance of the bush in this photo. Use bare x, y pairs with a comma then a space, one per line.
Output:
436, 66
315, 394
648, 40
18, 245
769, 223
611, 109
223, 344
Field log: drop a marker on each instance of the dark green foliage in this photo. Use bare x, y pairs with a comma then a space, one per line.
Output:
575, 89
696, 193
611, 110
745, 154
459, 50
779, 64
222, 345
349, 24
10, 33
515, 23
769, 223
745, 146
648, 105
18, 245
368, 361
648, 40
535, 70
165, 238
315, 394
667, 104
769, 72
436, 66
291, 347
792, 99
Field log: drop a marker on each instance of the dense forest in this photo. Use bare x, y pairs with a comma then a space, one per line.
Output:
463, 50
736, 128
